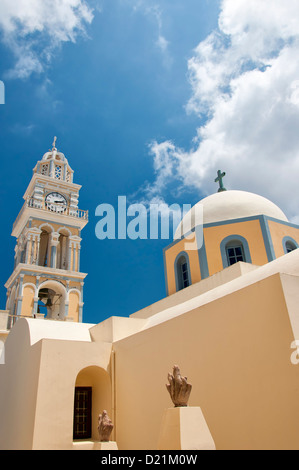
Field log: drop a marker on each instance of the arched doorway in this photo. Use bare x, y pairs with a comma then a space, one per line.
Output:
92, 395
51, 300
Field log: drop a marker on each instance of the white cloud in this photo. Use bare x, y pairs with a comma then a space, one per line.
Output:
154, 12
245, 84
162, 43
33, 29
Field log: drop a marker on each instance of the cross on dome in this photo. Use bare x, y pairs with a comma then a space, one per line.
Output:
219, 180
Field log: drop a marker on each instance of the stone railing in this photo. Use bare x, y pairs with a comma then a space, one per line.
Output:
50, 207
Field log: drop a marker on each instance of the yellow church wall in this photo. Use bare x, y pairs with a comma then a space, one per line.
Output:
74, 306
75, 261
278, 233
213, 236
28, 301
30, 279
235, 352
75, 285
170, 256
250, 230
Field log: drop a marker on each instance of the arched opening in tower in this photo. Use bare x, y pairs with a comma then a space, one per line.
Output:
62, 250
51, 303
44, 251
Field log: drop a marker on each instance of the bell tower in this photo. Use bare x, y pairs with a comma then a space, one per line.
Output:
46, 280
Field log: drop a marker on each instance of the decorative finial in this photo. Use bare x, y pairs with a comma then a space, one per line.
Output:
219, 180
54, 143
178, 388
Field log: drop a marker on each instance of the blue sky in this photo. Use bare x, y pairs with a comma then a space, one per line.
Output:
148, 99
106, 96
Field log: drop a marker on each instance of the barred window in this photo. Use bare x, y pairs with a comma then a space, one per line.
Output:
68, 176
58, 172
182, 273
45, 169
235, 254
290, 246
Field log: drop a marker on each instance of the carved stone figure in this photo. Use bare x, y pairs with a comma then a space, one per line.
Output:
105, 427
178, 388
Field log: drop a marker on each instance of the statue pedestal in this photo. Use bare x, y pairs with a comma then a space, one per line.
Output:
95, 445
111, 445
185, 429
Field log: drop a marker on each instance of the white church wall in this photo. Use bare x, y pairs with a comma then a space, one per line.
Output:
235, 352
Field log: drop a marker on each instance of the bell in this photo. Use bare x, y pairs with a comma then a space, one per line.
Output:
49, 303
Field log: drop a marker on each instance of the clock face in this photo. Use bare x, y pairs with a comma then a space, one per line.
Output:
56, 202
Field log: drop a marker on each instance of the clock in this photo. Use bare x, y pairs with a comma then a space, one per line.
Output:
55, 202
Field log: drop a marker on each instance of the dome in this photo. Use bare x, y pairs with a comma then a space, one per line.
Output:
54, 155
231, 205
54, 164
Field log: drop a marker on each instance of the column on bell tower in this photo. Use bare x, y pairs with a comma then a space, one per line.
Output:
74, 253
53, 243
32, 243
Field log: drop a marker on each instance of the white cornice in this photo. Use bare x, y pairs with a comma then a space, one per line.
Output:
61, 219
50, 183
43, 271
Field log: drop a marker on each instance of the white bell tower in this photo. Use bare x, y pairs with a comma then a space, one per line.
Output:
46, 280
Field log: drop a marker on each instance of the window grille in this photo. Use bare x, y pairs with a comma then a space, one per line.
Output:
235, 254
82, 413
58, 172
45, 169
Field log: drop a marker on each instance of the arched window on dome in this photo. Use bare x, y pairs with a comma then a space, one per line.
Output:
182, 271
234, 249
289, 244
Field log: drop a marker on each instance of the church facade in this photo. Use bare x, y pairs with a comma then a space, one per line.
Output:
230, 321
237, 226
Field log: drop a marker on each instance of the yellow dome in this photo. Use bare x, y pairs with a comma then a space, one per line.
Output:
230, 205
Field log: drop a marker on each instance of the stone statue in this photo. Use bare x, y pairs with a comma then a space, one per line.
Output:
178, 388
105, 427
